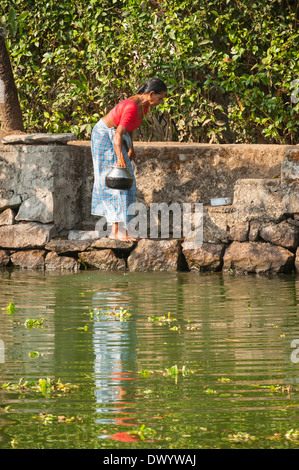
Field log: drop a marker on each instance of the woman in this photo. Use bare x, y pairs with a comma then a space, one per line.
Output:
111, 144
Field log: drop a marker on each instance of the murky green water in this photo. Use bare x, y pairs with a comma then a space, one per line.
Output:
218, 374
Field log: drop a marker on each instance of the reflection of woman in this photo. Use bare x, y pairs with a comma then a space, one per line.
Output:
111, 144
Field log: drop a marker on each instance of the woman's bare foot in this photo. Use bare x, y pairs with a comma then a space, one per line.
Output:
117, 234
122, 237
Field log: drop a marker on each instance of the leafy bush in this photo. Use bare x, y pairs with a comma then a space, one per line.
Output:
229, 65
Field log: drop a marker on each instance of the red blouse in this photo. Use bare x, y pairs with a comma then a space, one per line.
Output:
125, 114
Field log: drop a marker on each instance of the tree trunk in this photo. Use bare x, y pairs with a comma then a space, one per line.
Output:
10, 111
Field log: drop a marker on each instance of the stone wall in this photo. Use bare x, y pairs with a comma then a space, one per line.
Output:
45, 196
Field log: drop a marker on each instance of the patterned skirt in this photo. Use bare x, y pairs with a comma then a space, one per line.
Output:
111, 203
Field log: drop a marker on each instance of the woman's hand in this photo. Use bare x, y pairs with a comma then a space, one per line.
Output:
121, 161
131, 154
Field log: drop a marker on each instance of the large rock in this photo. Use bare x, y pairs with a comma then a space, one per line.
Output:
43, 182
7, 217
258, 199
55, 262
105, 260
254, 230
4, 258
39, 208
283, 234
31, 259
223, 224
206, 258
290, 166
61, 246
265, 200
216, 224
26, 235
105, 243
157, 255
83, 235
255, 257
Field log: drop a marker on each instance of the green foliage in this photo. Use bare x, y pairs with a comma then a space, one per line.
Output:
45, 386
10, 309
34, 323
122, 314
144, 433
229, 65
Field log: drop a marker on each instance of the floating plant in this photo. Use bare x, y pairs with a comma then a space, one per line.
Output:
10, 309
34, 323
210, 391
34, 354
241, 437
224, 380
48, 418
45, 386
121, 314
144, 433
162, 320
82, 328
292, 435
173, 371
145, 373
193, 327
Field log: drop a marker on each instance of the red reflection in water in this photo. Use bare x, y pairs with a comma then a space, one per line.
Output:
124, 437
120, 376
121, 393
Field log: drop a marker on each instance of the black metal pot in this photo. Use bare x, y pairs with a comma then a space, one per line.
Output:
119, 178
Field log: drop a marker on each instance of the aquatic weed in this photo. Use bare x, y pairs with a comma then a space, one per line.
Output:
122, 314
145, 372
210, 391
83, 328
144, 433
224, 380
34, 323
240, 437
162, 319
48, 418
34, 354
292, 435
45, 386
172, 371
10, 309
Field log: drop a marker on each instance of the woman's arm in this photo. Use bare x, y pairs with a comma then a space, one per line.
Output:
118, 145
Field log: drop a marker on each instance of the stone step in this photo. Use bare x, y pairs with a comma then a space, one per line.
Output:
266, 199
290, 166
83, 235
39, 138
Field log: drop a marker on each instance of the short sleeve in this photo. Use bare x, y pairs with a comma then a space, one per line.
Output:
129, 115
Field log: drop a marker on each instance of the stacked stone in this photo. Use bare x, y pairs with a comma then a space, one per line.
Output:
40, 197
31, 246
259, 233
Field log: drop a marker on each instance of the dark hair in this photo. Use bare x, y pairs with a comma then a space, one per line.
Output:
152, 84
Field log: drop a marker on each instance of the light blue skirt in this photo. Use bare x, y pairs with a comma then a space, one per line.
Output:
110, 203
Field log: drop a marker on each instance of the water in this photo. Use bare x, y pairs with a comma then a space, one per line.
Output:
222, 372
